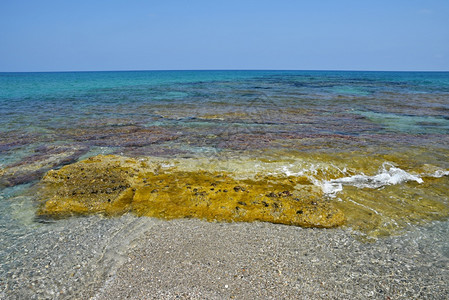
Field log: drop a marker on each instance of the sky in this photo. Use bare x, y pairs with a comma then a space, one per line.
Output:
88, 35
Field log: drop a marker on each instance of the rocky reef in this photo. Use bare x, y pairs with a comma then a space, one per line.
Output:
43, 159
113, 185
254, 189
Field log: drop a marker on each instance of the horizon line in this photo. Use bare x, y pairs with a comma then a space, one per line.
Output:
192, 70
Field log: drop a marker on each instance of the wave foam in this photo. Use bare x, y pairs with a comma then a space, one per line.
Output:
438, 174
388, 175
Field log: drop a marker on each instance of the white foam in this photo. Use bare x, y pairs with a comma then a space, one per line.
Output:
438, 173
299, 169
331, 188
388, 175
167, 165
286, 170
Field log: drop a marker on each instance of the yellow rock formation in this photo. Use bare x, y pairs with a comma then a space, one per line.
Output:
113, 185
287, 191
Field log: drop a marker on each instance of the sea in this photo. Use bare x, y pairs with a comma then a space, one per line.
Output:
375, 144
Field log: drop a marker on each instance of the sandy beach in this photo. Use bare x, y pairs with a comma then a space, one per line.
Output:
147, 258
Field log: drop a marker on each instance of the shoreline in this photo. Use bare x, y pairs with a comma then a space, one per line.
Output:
136, 258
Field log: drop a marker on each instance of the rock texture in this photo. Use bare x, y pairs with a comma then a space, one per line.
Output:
32, 167
113, 185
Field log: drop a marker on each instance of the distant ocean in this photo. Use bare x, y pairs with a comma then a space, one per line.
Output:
374, 143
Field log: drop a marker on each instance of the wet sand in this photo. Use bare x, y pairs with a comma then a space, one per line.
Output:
146, 258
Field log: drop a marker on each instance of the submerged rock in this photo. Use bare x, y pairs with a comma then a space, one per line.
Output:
34, 166
120, 136
113, 185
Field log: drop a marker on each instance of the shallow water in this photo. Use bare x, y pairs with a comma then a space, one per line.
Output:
336, 128
374, 144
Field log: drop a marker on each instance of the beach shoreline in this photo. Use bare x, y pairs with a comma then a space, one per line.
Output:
145, 258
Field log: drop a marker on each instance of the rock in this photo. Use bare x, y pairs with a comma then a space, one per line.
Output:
96, 185
113, 185
130, 136
11, 140
33, 167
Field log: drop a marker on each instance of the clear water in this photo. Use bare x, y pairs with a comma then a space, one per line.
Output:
330, 126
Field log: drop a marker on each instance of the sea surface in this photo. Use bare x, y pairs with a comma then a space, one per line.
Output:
376, 144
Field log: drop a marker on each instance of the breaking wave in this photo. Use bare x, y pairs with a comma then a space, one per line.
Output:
388, 175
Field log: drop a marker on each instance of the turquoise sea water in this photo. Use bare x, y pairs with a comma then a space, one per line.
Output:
357, 104
52, 119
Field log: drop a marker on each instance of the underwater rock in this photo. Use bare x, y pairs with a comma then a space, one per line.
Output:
113, 185
159, 150
14, 139
228, 116
33, 167
120, 136
266, 140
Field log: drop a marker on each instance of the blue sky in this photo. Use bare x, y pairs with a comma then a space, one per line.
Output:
194, 34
